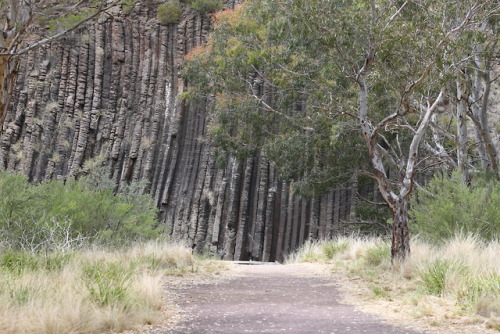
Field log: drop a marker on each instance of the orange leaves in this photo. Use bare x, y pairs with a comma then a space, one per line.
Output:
230, 16
198, 50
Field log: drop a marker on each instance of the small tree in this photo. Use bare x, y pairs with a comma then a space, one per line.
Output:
170, 12
206, 6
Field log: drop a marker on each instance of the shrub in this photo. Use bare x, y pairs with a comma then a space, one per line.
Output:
447, 207
170, 12
63, 216
206, 6
128, 6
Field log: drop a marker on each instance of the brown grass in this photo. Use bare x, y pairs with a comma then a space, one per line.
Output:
470, 281
60, 301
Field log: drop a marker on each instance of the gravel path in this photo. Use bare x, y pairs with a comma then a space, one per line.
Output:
273, 299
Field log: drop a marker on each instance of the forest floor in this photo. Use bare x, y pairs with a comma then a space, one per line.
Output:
294, 298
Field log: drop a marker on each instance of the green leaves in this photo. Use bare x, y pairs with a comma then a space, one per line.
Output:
57, 215
286, 66
170, 12
447, 207
206, 6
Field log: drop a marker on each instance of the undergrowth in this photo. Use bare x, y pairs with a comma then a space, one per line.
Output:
89, 291
462, 273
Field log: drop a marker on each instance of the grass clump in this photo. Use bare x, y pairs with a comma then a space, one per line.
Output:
375, 256
170, 12
457, 278
435, 274
87, 291
108, 283
15, 261
332, 247
309, 252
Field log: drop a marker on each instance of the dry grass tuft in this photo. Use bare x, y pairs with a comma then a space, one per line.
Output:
88, 291
455, 283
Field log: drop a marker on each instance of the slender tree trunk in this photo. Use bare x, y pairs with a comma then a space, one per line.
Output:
477, 92
462, 131
400, 247
7, 81
480, 95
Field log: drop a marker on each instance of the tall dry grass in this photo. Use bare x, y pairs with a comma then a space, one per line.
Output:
86, 291
464, 270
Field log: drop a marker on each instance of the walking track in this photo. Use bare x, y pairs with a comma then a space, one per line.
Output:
296, 299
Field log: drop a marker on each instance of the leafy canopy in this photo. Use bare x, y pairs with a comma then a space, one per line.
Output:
283, 76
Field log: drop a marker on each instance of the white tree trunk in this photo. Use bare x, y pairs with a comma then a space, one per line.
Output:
462, 158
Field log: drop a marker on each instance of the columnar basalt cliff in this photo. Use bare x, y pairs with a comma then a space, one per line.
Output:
111, 90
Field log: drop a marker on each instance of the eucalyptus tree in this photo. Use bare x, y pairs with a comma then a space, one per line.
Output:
323, 82
28, 24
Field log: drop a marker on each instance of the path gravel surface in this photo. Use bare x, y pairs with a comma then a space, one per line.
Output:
273, 299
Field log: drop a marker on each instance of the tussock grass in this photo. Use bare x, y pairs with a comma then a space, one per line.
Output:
463, 271
86, 291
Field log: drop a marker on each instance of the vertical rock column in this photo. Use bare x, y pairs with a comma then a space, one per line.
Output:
109, 93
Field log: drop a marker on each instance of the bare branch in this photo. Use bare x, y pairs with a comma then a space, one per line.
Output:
62, 33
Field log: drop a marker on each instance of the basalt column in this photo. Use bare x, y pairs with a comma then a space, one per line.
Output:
111, 91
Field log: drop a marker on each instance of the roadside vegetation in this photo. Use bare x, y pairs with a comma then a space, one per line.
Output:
452, 275
81, 257
92, 290
455, 282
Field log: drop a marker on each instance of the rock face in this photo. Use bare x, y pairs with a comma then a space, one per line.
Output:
111, 90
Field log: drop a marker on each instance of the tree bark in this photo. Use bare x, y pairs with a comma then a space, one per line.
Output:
462, 141
400, 246
7, 82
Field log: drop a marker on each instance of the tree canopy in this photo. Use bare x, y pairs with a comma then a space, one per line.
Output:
329, 88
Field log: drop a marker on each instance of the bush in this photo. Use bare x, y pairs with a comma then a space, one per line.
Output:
206, 6
170, 12
446, 207
63, 216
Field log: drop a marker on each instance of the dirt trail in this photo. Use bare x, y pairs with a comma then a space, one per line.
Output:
273, 299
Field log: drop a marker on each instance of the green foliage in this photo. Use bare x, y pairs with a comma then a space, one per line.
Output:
108, 283
283, 75
206, 6
375, 256
66, 21
485, 287
170, 12
380, 291
64, 215
128, 6
446, 207
332, 247
18, 262
435, 274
